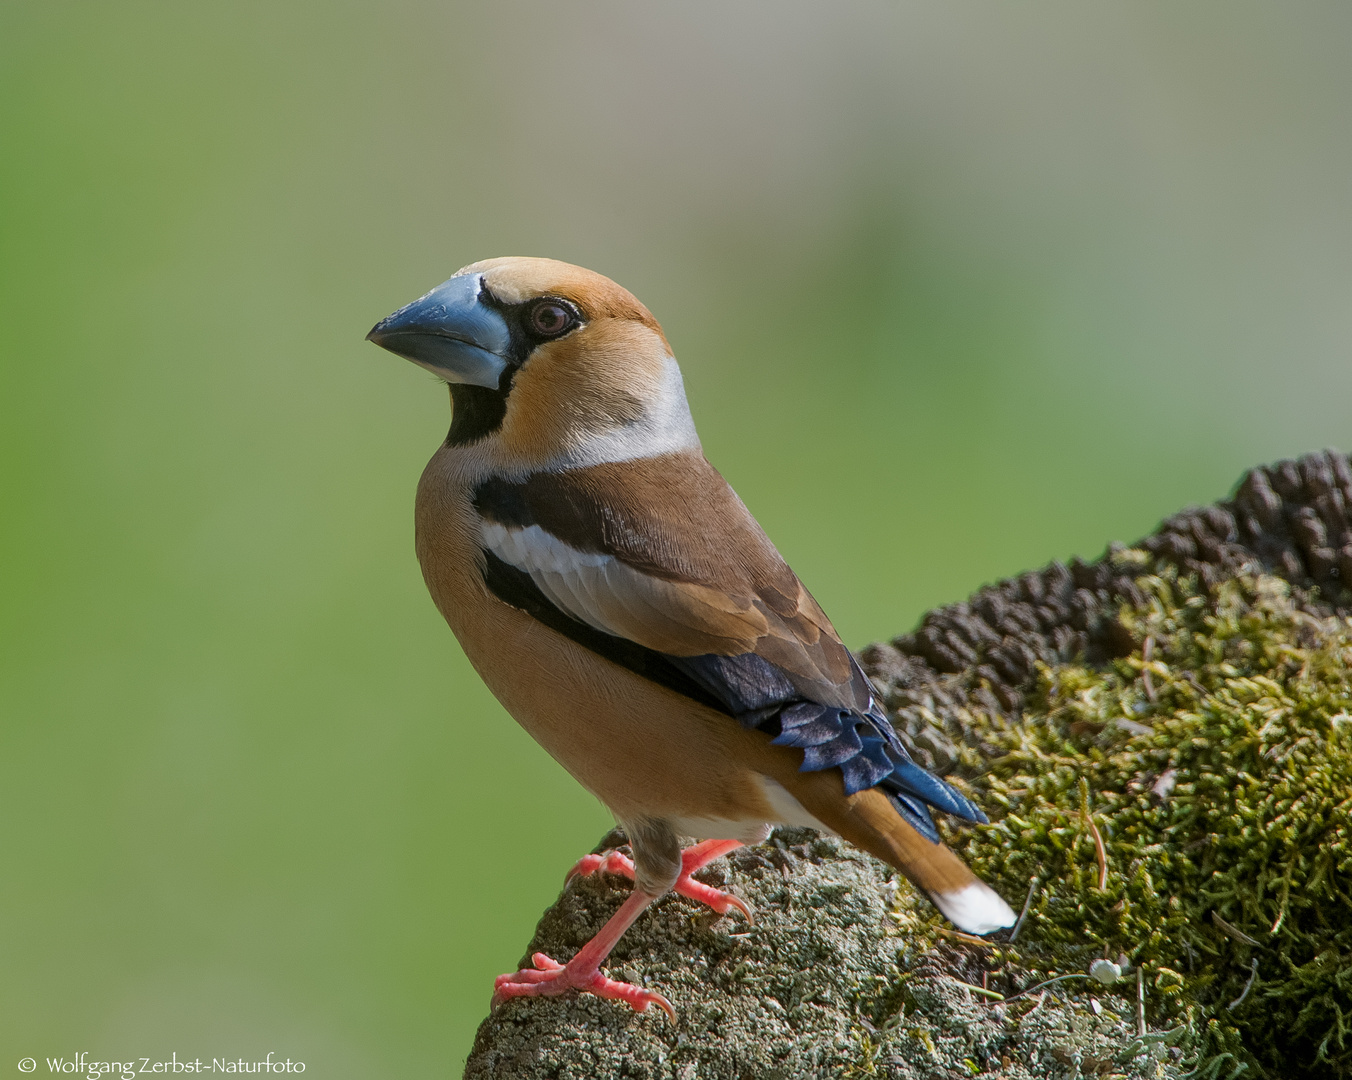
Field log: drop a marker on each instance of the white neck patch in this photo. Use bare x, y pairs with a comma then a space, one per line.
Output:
666, 427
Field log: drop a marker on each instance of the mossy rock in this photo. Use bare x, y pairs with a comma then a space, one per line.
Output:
1163, 740
1189, 807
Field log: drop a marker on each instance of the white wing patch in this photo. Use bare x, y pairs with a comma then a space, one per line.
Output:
531, 549
563, 573
677, 618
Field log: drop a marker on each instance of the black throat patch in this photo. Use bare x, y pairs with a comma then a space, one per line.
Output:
476, 411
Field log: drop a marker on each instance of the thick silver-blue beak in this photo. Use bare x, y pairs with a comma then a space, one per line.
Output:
450, 333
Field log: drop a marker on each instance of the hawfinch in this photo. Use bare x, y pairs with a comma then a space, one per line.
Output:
626, 608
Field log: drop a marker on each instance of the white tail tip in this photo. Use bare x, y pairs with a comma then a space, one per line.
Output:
975, 908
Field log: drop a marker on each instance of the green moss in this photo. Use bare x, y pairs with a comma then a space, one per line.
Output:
1229, 892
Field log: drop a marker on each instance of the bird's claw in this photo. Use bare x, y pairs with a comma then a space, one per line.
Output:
720, 901
612, 862
549, 978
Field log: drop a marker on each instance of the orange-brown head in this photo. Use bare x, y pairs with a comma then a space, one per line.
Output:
555, 363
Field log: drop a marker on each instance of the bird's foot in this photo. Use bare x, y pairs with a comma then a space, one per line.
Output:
549, 978
692, 859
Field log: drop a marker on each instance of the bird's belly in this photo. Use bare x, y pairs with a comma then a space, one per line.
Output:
785, 810
643, 750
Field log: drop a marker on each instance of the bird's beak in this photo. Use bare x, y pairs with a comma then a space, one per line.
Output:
451, 333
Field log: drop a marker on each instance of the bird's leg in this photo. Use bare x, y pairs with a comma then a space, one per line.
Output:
549, 978
692, 859
659, 866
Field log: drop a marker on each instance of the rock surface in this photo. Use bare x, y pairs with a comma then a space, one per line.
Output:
835, 978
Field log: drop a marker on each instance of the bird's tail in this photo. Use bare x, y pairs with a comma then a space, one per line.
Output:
870, 819
966, 901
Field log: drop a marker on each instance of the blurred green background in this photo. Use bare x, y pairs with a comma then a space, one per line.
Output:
957, 288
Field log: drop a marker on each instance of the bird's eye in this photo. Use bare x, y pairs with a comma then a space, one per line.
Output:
549, 318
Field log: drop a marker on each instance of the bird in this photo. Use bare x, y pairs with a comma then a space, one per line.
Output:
625, 607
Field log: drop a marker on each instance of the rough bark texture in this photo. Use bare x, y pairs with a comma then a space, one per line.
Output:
843, 973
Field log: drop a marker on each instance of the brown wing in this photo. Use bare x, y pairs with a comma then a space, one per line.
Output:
656, 565
660, 551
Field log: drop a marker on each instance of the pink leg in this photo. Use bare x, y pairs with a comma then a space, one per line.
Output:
583, 972
549, 978
692, 859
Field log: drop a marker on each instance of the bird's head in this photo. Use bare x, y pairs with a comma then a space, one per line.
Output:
552, 363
